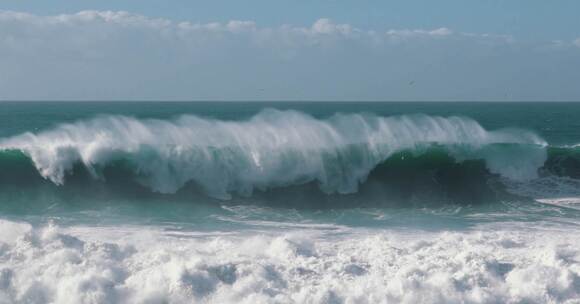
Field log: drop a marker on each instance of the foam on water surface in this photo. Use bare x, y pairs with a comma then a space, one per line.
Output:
83, 264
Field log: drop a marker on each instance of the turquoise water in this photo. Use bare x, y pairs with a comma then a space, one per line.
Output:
343, 196
433, 176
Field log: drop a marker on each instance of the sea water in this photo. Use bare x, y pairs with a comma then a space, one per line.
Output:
294, 202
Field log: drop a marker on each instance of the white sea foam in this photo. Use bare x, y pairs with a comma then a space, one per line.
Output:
147, 265
272, 149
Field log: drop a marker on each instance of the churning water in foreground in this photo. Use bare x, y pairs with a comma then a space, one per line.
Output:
289, 202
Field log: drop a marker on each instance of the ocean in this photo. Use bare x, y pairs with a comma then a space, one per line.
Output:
289, 202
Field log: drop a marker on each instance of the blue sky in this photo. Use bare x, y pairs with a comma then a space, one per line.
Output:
290, 50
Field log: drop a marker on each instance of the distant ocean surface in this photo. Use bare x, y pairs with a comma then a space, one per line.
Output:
289, 202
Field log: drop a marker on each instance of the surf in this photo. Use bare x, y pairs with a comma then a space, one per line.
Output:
343, 154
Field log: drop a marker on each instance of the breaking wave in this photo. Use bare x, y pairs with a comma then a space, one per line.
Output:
342, 154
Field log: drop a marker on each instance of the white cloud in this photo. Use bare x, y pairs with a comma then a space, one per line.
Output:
443, 31
241, 26
84, 18
121, 19
326, 26
577, 42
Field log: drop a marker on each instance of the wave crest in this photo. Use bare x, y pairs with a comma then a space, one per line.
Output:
272, 149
